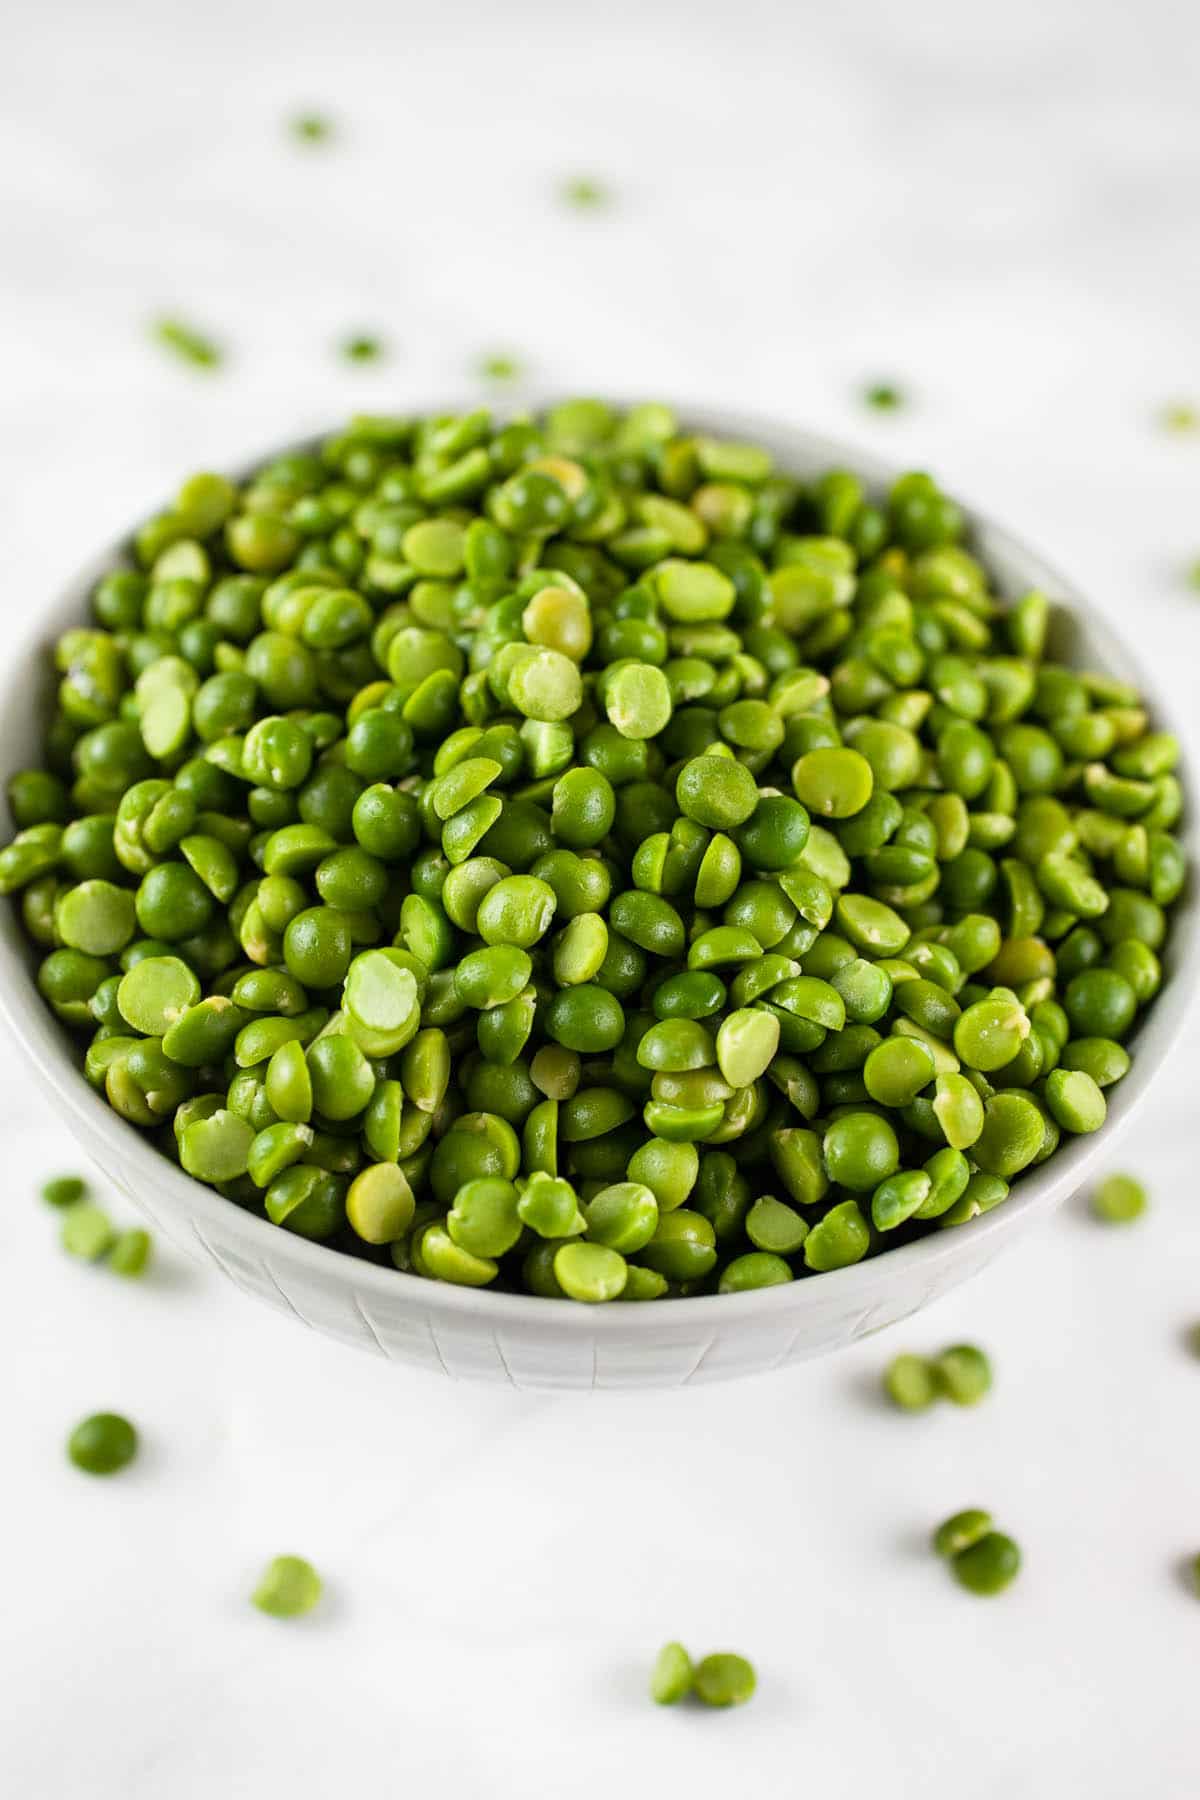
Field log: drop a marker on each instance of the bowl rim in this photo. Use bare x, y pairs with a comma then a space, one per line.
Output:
42, 1040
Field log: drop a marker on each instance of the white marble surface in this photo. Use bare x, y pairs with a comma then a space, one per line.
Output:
1001, 210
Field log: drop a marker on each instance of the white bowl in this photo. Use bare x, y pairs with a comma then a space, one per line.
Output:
515, 1338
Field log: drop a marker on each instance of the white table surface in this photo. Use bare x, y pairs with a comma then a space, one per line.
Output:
1003, 213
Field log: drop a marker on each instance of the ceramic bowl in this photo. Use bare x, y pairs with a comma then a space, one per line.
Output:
477, 1335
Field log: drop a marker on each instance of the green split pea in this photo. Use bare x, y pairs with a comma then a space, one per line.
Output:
720, 1679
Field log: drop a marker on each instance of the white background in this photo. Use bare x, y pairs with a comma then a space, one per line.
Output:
1002, 212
